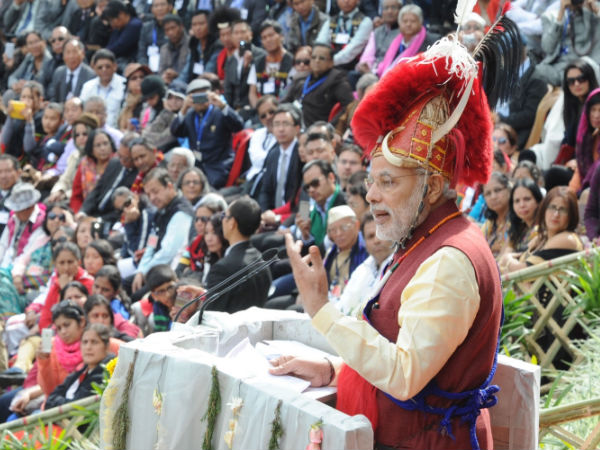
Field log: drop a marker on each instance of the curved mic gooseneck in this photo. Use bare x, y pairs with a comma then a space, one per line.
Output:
209, 296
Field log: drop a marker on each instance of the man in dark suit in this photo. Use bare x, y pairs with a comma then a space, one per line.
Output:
68, 80
241, 221
208, 123
282, 169
120, 171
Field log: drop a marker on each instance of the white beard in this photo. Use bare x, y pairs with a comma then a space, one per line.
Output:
402, 219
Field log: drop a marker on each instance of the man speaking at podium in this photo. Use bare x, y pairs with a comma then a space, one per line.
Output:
419, 362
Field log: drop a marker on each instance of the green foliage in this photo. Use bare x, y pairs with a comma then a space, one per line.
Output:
36, 438
517, 317
214, 407
585, 281
276, 429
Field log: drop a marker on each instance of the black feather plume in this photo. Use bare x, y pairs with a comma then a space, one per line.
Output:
501, 53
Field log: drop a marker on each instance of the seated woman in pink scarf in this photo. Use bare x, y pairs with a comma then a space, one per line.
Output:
413, 38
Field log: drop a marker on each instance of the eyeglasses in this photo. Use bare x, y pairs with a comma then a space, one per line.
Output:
52, 216
319, 57
500, 141
561, 210
306, 62
203, 219
312, 184
579, 80
494, 191
33, 42
163, 291
385, 183
191, 183
267, 114
59, 39
339, 229
59, 240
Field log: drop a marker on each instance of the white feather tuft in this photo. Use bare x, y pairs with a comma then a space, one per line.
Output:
463, 9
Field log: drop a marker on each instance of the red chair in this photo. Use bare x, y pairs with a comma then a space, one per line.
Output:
240, 144
334, 111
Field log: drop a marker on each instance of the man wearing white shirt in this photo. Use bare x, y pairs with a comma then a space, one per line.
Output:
9, 176
262, 139
108, 85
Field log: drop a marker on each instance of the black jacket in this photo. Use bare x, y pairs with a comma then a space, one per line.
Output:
98, 202
524, 102
253, 292
58, 395
266, 197
318, 103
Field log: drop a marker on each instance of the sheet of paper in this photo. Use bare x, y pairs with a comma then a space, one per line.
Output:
247, 362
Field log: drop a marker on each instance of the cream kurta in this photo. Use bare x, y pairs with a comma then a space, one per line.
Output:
439, 306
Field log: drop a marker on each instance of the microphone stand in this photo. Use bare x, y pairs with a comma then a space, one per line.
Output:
268, 257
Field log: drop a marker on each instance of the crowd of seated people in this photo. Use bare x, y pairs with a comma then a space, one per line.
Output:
150, 150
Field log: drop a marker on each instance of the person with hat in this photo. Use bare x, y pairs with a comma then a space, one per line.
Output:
24, 223
158, 130
419, 361
208, 123
153, 91
348, 250
174, 52
134, 73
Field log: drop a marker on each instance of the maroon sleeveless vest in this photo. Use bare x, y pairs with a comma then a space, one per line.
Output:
472, 361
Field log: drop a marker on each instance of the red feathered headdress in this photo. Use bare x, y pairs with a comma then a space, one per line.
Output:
432, 111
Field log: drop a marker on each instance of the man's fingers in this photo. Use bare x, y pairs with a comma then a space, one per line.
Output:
315, 256
293, 249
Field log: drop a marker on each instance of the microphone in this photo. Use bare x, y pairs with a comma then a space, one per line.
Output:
268, 257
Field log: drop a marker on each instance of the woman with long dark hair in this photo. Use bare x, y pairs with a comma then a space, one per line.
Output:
99, 149
556, 221
587, 147
525, 199
495, 229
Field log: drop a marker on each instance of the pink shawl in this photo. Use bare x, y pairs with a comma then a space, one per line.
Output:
68, 355
389, 60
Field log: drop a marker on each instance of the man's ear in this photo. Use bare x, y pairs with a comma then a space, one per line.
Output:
435, 189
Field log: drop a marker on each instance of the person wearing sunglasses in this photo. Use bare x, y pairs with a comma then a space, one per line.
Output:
305, 23
193, 258
325, 192
505, 139
59, 35
322, 88
560, 127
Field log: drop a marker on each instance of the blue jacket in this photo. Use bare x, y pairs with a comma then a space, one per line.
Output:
357, 255
213, 153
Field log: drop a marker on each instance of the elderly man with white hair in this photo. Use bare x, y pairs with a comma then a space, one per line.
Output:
179, 159
412, 39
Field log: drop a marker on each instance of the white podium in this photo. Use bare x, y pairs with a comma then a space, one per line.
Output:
171, 364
